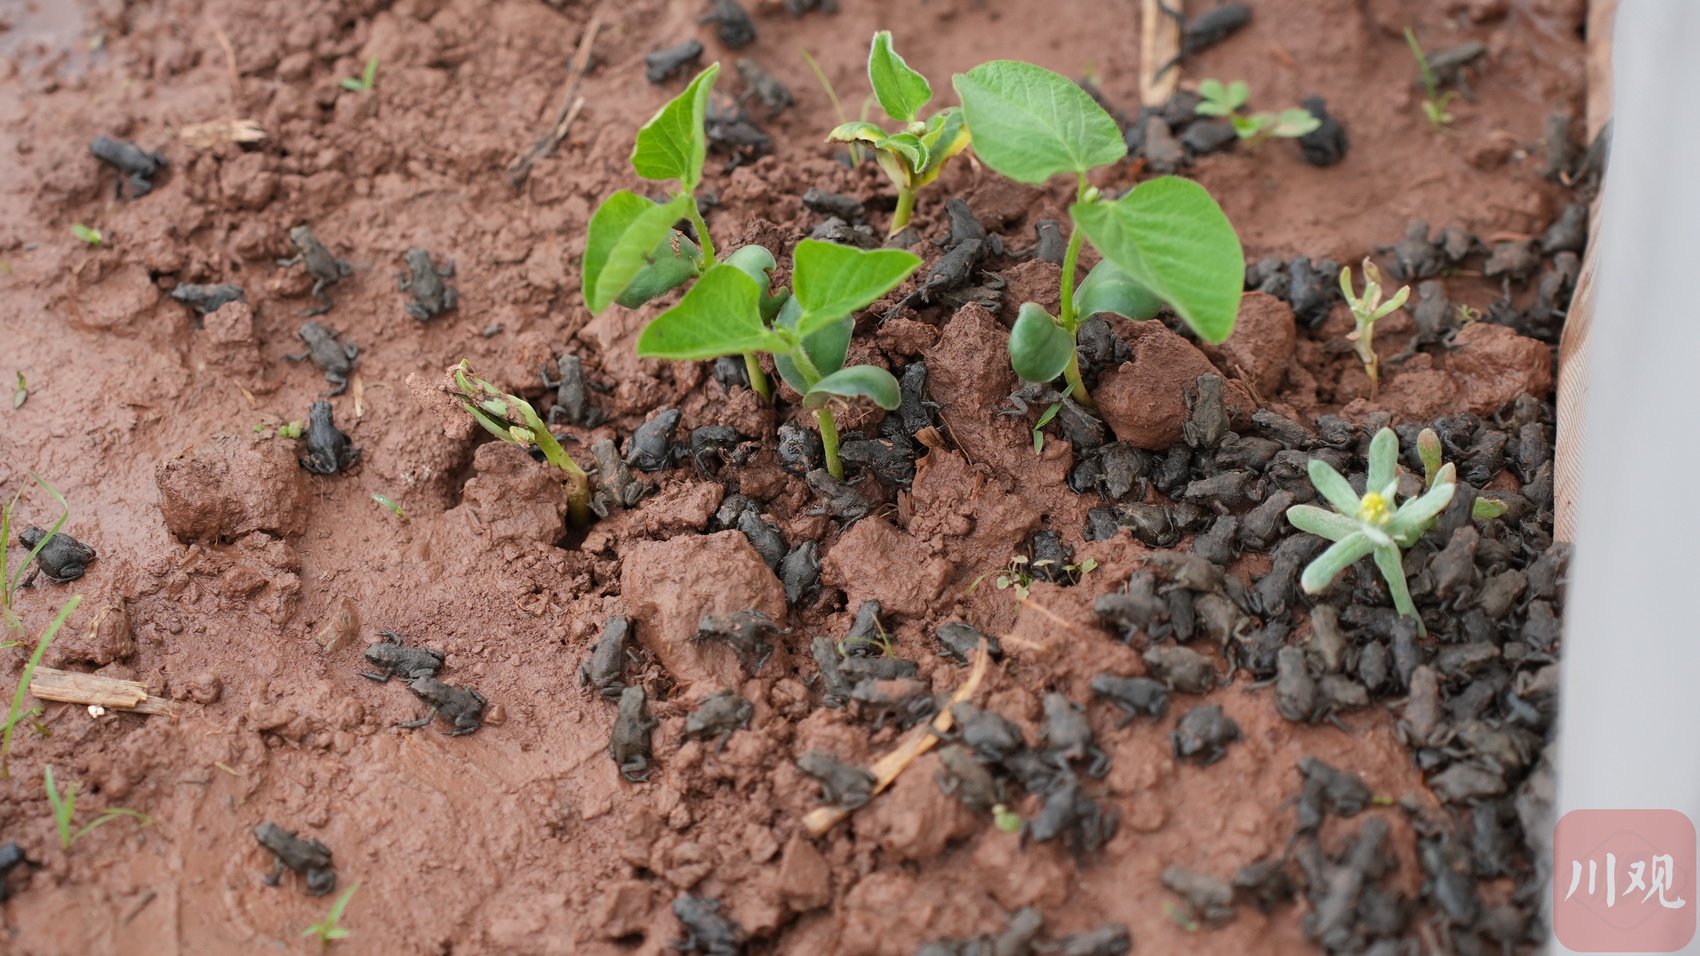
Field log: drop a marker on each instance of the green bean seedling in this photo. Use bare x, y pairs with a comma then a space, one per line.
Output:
513, 420
1166, 241
915, 155
1225, 100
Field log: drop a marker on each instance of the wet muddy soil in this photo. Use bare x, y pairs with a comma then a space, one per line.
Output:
251, 588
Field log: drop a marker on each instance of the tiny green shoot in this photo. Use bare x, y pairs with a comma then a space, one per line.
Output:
632, 253
290, 430
1180, 917
17, 713
1166, 241
723, 314
327, 929
913, 156
513, 420
1429, 451
86, 234
1039, 426
837, 107
1225, 100
11, 580
1006, 819
364, 82
1434, 105
1370, 524
1367, 309
22, 393
65, 807
394, 508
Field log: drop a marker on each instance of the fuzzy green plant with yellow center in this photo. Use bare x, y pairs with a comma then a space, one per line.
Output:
1373, 524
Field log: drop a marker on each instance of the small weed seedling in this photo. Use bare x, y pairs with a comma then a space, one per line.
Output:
633, 254
1006, 819
1366, 311
513, 420
810, 336
915, 155
1434, 105
395, 509
22, 393
1370, 524
327, 929
1018, 575
1226, 101
12, 579
362, 83
17, 712
1165, 241
65, 807
86, 234
838, 107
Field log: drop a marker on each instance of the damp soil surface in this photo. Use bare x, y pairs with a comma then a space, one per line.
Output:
244, 589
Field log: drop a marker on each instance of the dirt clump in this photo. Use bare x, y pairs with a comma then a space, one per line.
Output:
230, 486
669, 586
1144, 401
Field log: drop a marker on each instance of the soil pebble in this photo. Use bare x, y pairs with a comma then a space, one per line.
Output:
231, 486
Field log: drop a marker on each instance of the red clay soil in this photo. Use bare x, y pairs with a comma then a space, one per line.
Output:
523, 838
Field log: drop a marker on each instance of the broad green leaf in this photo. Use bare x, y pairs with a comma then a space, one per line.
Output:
1039, 348
624, 233
902, 92
672, 145
1031, 124
1172, 238
907, 145
672, 263
830, 281
719, 316
826, 347
857, 381
854, 130
1108, 289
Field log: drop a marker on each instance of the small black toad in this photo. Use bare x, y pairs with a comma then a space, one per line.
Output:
904, 699
334, 358
628, 742
707, 930
962, 641
572, 396
327, 270
842, 785
431, 296
1327, 144
461, 706
968, 778
62, 558
1204, 734
606, 668
136, 163
1207, 29
837, 497
1069, 736
11, 857
661, 65
1134, 695
732, 23
799, 572
774, 95
614, 482
392, 657
328, 448
748, 633
717, 716
1110, 939
990, 735
651, 447
207, 299
1069, 813
308, 857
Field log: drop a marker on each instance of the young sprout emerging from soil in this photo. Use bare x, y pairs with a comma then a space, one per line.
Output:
395, 509
12, 579
1370, 524
65, 807
362, 83
17, 712
1429, 450
1367, 309
809, 337
86, 234
633, 254
838, 107
1434, 105
22, 393
513, 420
1167, 241
1226, 101
915, 155
327, 929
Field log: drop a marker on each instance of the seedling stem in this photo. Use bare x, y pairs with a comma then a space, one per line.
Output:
513, 420
16, 714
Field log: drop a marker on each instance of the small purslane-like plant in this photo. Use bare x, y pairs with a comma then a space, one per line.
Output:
809, 337
1166, 241
1225, 100
1373, 523
915, 155
513, 420
1367, 309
